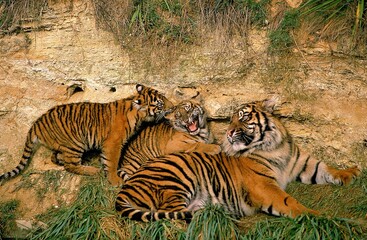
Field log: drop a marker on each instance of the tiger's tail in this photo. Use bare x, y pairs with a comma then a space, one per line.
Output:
126, 210
29, 150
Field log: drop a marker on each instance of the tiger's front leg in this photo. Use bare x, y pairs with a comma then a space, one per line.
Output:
317, 172
273, 200
110, 156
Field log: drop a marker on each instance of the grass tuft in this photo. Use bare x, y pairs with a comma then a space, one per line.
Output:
7, 216
306, 227
13, 12
212, 222
163, 229
280, 38
85, 218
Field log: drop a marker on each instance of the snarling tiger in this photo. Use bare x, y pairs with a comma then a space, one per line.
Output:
186, 130
175, 186
71, 130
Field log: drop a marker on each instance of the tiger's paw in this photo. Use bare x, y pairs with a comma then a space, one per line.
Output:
115, 180
215, 149
345, 176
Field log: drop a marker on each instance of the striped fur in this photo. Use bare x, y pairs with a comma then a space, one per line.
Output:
185, 130
71, 130
262, 159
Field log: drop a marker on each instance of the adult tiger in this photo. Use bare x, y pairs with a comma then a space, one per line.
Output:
186, 130
176, 185
71, 130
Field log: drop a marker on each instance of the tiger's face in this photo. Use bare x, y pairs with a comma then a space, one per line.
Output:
253, 127
188, 116
151, 104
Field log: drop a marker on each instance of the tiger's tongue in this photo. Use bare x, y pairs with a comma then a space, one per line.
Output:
192, 127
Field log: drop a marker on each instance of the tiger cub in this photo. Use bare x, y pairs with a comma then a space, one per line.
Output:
175, 186
72, 130
186, 130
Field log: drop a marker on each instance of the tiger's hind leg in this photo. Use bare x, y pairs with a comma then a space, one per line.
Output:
273, 200
56, 158
316, 172
73, 164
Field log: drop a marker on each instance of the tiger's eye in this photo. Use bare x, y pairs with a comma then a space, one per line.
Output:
187, 107
243, 115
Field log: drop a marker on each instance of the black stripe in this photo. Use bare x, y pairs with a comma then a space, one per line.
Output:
285, 201
262, 174
259, 161
296, 149
161, 215
313, 179
137, 216
298, 178
270, 209
171, 215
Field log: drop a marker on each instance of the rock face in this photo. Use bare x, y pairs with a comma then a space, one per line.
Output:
324, 97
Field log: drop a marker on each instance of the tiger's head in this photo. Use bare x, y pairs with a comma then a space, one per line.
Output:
151, 104
253, 127
188, 116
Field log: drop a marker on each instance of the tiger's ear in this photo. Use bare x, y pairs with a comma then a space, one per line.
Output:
139, 88
271, 103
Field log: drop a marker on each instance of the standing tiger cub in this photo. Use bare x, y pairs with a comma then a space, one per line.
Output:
174, 186
71, 130
186, 130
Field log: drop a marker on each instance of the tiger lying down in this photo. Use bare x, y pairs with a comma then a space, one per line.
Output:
186, 130
260, 160
71, 130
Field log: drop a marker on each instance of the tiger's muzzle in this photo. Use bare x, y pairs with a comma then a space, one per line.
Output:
239, 136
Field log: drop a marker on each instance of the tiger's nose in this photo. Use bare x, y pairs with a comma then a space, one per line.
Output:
230, 134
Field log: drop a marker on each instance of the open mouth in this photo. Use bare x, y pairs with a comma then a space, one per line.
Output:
192, 126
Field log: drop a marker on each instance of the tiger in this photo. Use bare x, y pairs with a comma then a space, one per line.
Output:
258, 160
185, 130
72, 130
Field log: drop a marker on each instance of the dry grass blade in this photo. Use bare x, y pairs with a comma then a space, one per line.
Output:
13, 12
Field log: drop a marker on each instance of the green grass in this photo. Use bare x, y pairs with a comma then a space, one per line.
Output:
86, 218
331, 9
176, 21
306, 227
280, 38
212, 222
8, 211
162, 230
